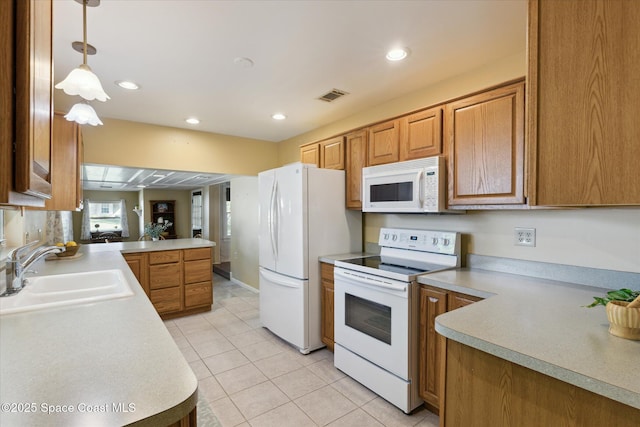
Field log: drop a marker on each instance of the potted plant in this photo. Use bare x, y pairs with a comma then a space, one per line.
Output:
623, 312
154, 230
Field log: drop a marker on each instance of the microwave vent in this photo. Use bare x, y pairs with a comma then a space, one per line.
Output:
333, 95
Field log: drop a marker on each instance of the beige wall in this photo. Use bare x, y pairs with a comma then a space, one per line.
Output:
607, 238
508, 68
244, 230
133, 144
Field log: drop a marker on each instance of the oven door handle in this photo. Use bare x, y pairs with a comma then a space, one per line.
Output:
360, 279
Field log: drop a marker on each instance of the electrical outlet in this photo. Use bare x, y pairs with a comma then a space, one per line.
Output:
525, 236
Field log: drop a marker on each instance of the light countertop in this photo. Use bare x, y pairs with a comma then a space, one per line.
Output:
111, 362
331, 259
541, 324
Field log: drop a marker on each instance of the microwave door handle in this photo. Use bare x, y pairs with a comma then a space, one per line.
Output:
421, 188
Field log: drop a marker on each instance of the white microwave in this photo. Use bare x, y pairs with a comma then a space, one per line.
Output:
413, 186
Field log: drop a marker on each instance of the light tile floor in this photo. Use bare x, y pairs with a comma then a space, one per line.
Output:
250, 377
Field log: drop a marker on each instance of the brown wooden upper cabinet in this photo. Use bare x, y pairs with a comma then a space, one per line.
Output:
583, 107
332, 153
66, 161
327, 154
26, 70
356, 148
384, 143
34, 100
421, 134
310, 154
485, 137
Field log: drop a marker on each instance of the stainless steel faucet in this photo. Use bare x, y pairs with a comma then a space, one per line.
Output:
19, 260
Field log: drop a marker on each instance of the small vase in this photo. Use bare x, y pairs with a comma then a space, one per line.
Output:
155, 239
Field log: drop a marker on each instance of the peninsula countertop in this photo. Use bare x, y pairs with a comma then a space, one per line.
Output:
543, 325
105, 363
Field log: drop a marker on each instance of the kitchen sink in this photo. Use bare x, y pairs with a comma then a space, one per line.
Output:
42, 292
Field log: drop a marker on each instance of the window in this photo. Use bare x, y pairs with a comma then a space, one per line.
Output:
104, 217
196, 213
226, 211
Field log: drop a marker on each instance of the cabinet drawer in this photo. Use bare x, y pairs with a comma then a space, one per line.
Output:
200, 253
198, 294
166, 300
197, 271
164, 276
162, 257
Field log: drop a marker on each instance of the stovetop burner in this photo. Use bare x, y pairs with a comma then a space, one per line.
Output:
406, 254
376, 262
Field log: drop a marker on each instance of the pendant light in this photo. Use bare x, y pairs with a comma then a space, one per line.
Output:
83, 114
82, 81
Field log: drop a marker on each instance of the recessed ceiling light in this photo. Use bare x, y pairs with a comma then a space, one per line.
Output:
159, 176
141, 186
192, 121
125, 84
397, 54
278, 116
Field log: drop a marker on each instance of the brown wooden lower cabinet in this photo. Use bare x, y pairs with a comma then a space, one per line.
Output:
433, 352
178, 282
189, 420
485, 390
326, 301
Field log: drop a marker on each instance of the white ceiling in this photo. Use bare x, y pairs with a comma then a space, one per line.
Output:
117, 178
182, 52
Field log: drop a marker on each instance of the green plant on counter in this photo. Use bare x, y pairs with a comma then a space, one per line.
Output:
154, 230
619, 295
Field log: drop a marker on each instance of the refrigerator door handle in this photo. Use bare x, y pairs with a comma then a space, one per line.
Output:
272, 220
279, 279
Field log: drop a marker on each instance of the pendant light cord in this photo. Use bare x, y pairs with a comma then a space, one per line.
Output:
84, 31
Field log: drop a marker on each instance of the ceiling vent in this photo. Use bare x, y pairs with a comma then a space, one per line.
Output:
333, 95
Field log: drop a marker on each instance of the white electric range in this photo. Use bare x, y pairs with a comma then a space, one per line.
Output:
376, 310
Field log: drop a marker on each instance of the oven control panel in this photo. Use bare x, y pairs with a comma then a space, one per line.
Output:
443, 242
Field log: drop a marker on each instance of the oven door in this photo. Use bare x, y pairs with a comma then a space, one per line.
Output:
372, 319
393, 191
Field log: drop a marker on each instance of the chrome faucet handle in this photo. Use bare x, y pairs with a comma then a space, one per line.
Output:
15, 254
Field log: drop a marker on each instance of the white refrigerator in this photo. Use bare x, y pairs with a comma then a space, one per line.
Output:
302, 217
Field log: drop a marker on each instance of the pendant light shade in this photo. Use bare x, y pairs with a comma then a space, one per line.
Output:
81, 81
82, 113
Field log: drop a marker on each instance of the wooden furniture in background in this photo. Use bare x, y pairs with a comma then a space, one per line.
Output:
485, 137
582, 103
326, 304
433, 346
165, 209
178, 282
421, 134
484, 390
